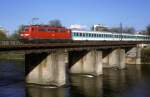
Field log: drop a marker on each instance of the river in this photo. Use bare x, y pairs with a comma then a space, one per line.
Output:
131, 82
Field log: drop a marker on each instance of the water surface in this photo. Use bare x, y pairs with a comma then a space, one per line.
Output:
131, 82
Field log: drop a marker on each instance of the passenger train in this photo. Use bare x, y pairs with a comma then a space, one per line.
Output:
45, 32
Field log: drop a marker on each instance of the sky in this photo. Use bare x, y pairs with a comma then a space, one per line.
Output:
131, 13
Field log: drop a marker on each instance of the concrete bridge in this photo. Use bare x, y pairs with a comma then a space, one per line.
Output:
47, 63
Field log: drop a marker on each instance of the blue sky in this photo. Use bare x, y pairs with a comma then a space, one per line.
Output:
85, 12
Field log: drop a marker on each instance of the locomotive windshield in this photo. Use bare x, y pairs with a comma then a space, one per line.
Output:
25, 28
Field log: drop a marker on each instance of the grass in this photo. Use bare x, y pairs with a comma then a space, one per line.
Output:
11, 55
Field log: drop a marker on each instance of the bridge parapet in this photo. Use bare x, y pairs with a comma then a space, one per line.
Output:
10, 42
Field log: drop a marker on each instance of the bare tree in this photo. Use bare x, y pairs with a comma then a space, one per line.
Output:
3, 35
116, 29
15, 35
129, 30
55, 23
148, 29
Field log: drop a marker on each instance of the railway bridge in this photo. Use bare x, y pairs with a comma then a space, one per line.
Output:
47, 63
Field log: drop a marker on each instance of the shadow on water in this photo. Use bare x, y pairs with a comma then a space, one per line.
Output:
12, 78
131, 82
80, 87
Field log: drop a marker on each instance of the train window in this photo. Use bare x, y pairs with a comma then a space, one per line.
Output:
61, 30
24, 29
83, 34
87, 35
100, 35
42, 30
80, 34
119, 36
104, 35
74, 34
52, 30
96, 35
32, 29
110, 36
90, 35
107, 35
93, 35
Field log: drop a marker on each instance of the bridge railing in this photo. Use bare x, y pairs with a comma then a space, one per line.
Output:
10, 42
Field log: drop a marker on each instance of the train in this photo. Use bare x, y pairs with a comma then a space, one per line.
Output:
61, 34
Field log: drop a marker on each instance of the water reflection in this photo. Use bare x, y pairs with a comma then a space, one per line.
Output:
90, 87
131, 82
80, 87
45, 92
12, 79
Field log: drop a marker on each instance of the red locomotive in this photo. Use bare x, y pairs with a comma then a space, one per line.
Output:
45, 32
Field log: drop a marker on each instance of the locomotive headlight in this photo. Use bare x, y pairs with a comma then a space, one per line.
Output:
26, 34
21, 34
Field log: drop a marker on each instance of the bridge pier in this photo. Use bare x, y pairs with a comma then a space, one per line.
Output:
90, 63
115, 58
138, 55
49, 69
133, 56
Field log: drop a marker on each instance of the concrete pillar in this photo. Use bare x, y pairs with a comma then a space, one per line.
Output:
50, 71
138, 55
116, 58
91, 63
133, 56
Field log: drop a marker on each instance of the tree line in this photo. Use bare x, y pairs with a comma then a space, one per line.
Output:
130, 30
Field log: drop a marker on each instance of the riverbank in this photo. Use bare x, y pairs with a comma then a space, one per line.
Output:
11, 56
